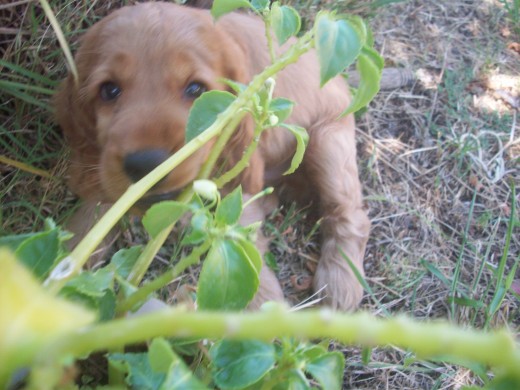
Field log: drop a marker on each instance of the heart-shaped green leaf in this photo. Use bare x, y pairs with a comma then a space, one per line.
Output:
228, 279
337, 44
286, 22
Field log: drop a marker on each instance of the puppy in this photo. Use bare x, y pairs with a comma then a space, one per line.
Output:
141, 68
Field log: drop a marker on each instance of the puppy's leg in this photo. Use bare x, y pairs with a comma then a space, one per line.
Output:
269, 288
331, 163
83, 219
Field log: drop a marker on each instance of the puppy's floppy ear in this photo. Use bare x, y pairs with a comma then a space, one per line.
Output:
75, 115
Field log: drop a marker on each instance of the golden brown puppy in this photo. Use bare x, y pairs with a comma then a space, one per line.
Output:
140, 70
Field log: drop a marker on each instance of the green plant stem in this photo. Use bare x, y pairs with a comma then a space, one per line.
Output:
268, 35
266, 191
244, 161
152, 247
428, 340
116, 377
245, 99
163, 280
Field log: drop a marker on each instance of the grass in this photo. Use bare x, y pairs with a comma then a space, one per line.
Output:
439, 161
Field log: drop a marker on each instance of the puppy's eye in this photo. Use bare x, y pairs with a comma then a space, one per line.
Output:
109, 91
194, 90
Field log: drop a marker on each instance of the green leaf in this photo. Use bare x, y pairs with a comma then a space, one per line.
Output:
313, 352
222, 7
328, 370
124, 260
302, 139
281, 107
163, 359
181, 378
161, 355
253, 254
140, 374
294, 380
230, 208
39, 252
286, 22
205, 111
238, 364
260, 5
92, 284
106, 306
228, 280
163, 214
14, 241
337, 44
93, 290
370, 68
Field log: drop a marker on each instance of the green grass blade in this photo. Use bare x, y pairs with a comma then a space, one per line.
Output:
501, 287
61, 38
28, 74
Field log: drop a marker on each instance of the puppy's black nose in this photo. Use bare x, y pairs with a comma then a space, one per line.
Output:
140, 163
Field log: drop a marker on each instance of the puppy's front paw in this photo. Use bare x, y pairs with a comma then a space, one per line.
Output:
339, 286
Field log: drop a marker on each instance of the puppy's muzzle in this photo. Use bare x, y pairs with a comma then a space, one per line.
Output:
138, 164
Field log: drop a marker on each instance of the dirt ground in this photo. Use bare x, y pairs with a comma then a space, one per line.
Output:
439, 159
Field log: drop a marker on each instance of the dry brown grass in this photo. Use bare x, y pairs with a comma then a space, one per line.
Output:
438, 159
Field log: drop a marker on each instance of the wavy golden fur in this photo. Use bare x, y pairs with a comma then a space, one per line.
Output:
139, 70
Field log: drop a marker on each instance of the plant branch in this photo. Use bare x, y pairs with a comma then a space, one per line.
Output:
244, 161
164, 279
428, 340
245, 99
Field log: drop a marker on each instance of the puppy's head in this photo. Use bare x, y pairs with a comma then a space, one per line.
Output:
140, 69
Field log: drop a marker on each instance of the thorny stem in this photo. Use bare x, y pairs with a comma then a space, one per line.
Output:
428, 340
